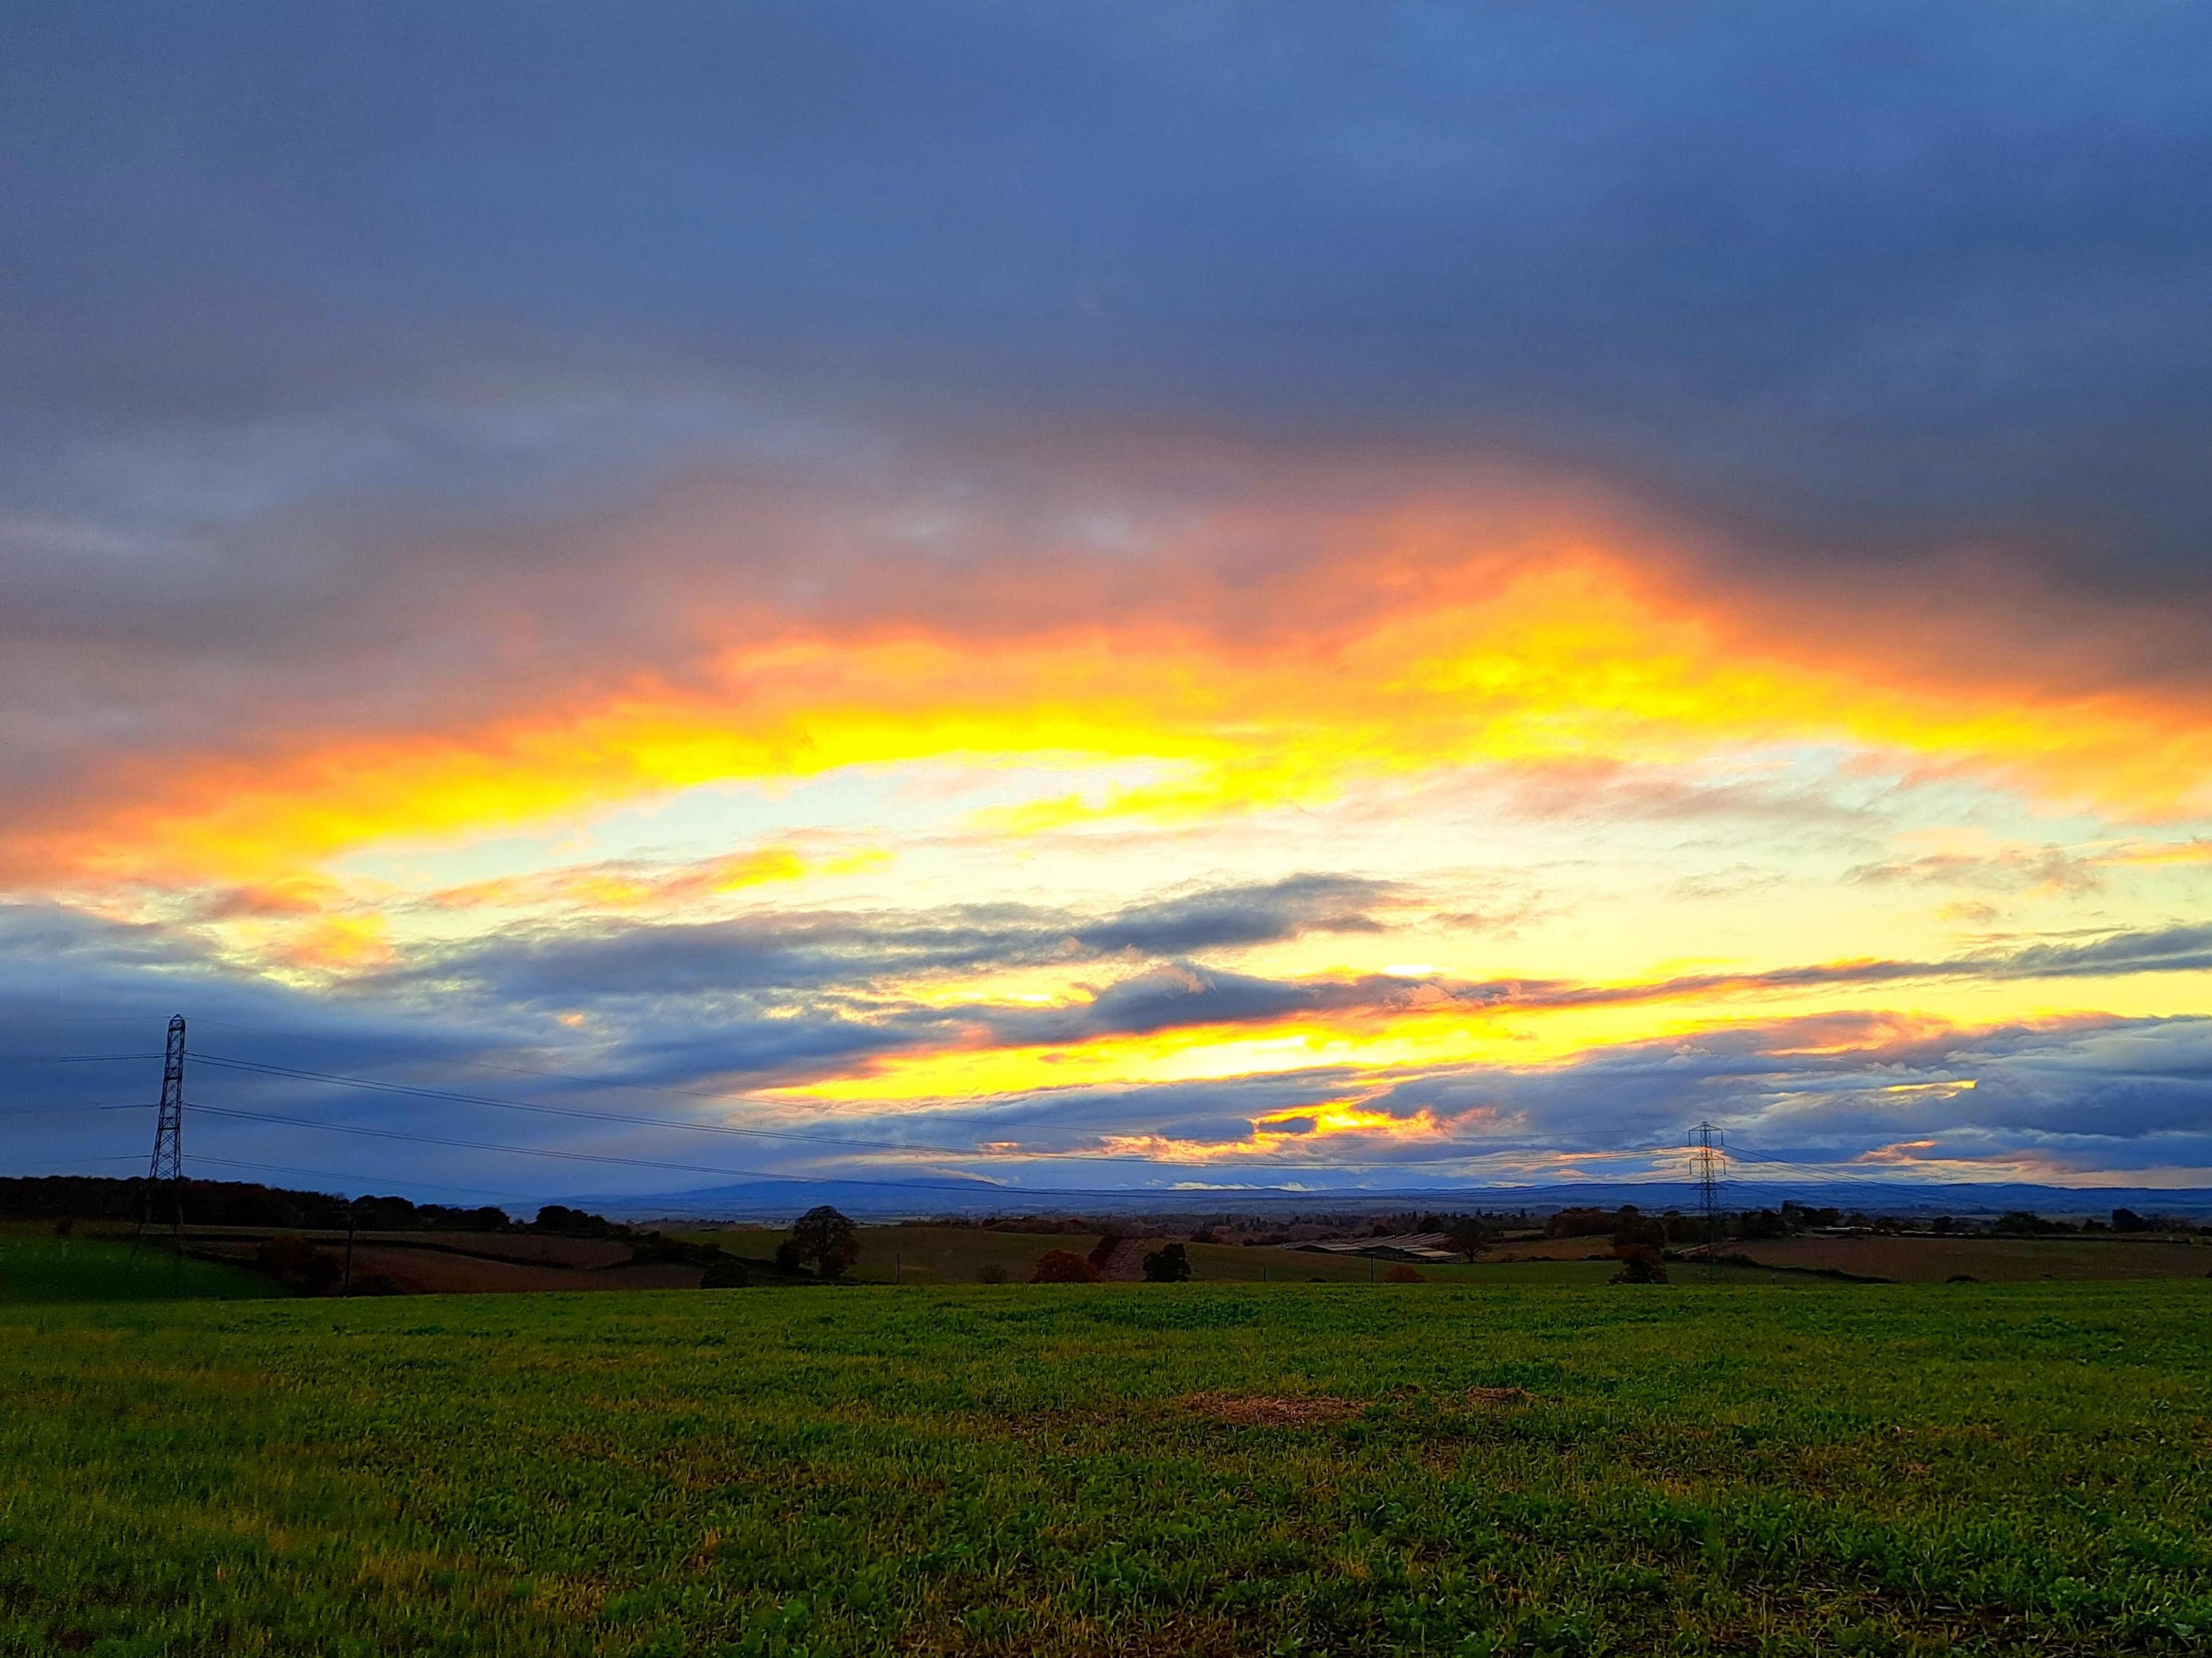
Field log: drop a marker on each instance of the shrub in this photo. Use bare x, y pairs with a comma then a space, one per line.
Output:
1063, 1266
1639, 1263
1403, 1274
990, 1272
1169, 1264
1103, 1251
725, 1273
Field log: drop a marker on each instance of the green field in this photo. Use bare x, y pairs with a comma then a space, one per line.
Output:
1145, 1469
37, 1267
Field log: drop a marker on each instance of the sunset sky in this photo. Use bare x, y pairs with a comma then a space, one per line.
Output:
1066, 596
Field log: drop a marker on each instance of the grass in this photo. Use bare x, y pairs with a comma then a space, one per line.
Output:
36, 1266
1821, 1468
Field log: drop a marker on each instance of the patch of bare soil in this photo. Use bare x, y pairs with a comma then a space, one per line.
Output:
1270, 1410
1499, 1395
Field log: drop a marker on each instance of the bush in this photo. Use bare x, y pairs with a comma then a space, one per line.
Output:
1639, 1263
1169, 1264
1403, 1274
725, 1273
1063, 1266
990, 1272
1102, 1252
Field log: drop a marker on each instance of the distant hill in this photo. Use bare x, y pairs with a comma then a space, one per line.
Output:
886, 1200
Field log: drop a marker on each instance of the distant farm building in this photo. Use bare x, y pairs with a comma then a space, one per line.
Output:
1403, 1246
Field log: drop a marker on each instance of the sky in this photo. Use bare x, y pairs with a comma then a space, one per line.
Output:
1010, 598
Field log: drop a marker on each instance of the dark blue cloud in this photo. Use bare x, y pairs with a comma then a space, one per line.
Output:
851, 950
1882, 272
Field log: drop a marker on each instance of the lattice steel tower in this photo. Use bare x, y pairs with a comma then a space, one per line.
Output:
1708, 1189
168, 1163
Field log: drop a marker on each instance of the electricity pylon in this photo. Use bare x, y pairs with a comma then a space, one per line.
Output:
168, 1161
1709, 1190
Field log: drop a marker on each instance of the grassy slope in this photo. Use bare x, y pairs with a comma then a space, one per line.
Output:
1017, 1470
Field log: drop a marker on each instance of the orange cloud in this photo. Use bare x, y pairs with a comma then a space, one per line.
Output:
1295, 1129
1570, 652
631, 886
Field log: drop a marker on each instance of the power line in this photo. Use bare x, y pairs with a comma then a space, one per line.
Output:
72, 1058
347, 1178
107, 1156
1817, 1173
70, 1110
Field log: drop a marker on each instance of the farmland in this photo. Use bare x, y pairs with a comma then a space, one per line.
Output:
1923, 1260
1120, 1468
955, 1254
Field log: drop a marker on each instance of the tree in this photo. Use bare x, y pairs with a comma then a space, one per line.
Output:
1169, 1264
827, 1240
573, 1223
1647, 1231
1468, 1235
